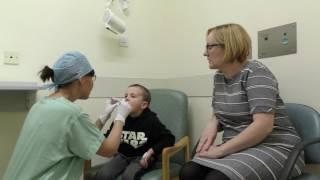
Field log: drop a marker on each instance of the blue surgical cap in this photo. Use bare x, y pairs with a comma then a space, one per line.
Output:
69, 67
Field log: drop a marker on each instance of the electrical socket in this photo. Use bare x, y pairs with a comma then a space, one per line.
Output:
11, 57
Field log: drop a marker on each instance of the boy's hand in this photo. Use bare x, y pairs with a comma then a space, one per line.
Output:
146, 158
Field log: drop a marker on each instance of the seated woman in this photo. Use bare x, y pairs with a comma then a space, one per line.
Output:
258, 135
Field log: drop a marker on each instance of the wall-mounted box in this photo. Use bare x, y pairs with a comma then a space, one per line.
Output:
277, 41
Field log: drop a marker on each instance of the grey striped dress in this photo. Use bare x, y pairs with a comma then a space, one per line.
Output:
253, 90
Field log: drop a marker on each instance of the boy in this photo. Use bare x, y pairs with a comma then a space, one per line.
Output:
143, 139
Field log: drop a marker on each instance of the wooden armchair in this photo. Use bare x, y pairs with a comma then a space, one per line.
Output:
172, 109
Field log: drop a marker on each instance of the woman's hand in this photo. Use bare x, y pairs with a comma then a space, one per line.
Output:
214, 152
208, 136
254, 134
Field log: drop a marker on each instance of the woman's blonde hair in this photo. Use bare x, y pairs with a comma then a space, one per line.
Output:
235, 39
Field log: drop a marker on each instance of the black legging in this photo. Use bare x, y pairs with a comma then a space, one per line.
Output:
192, 171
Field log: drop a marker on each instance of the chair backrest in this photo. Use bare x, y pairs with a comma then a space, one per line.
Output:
306, 120
171, 107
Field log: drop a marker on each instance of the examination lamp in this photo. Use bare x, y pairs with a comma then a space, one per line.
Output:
113, 23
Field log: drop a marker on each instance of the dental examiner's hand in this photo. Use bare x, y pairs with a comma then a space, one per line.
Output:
123, 111
110, 106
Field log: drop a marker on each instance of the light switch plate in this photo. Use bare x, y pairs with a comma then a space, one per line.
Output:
277, 41
11, 57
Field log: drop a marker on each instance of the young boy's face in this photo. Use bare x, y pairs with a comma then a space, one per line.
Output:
134, 96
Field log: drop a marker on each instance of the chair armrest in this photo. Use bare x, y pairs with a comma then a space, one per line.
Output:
172, 150
87, 166
195, 148
290, 162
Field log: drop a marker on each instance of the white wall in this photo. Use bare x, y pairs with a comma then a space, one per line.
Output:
166, 38
166, 41
42, 30
296, 73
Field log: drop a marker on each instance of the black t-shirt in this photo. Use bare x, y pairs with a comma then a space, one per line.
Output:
142, 133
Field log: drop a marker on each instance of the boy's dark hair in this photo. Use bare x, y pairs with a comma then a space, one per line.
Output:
146, 92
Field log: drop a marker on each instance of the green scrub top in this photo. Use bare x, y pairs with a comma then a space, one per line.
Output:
54, 141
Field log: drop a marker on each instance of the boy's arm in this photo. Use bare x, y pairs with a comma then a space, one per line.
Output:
164, 137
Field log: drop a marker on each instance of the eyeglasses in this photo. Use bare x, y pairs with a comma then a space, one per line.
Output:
210, 46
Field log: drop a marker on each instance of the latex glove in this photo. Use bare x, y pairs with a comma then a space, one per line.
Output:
146, 158
110, 106
124, 109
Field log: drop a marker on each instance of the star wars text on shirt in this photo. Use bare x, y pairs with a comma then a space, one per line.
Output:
135, 139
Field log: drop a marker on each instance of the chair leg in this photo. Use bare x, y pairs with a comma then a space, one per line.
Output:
175, 178
187, 151
87, 166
